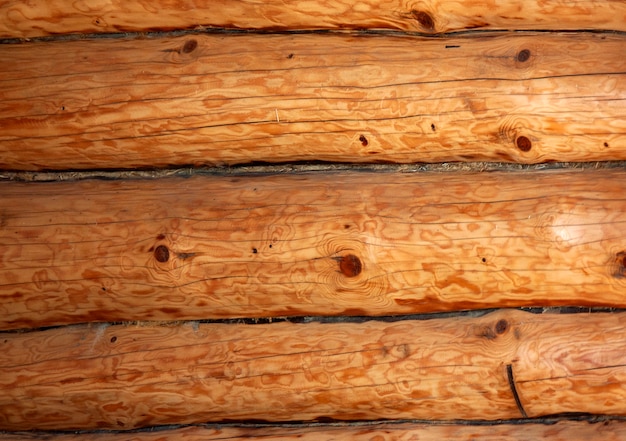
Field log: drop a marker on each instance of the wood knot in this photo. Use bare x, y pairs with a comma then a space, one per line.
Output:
190, 46
620, 260
502, 326
523, 55
425, 20
350, 265
492, 332
523, 143
162, 254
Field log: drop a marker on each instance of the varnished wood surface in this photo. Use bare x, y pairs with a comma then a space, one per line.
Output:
51, 17
560, 431
123, 377
343, 243
227, 99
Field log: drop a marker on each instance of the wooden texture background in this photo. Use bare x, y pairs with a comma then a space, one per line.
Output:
129, 303
232, 99
51, 17
313, 244
501, 366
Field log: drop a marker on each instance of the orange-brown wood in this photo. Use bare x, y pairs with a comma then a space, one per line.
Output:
559, 431
122, 377
342, 243
49, 17
226, 99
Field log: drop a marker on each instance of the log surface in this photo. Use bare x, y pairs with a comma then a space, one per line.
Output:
217, 99
123, 377
312, 244
561, 431
50, 17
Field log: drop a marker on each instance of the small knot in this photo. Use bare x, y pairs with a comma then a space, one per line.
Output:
523, 143
162, 254
620, 260
190, 46
523, 55
350, 265
502, 326
425, 20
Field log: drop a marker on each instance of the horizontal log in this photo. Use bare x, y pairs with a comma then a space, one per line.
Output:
216, 99
312, 244
50, 17
611, 430
509, 364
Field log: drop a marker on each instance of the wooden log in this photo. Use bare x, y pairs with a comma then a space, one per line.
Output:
50, 17
312, 244
611, 430
216, 99
499, 366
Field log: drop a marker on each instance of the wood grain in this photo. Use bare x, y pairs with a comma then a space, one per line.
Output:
51, 17
217, 99
560, 431
345, 243
124, 377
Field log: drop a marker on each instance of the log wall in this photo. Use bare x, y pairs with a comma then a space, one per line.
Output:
380, 220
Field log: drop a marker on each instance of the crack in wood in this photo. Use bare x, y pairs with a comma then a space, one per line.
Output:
509, 374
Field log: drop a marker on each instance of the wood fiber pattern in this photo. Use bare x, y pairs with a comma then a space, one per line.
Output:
373, 81
217, 99
51, 17
343, 243
124, 377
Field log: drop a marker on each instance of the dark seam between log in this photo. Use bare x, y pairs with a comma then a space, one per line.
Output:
216, 30
256, 169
